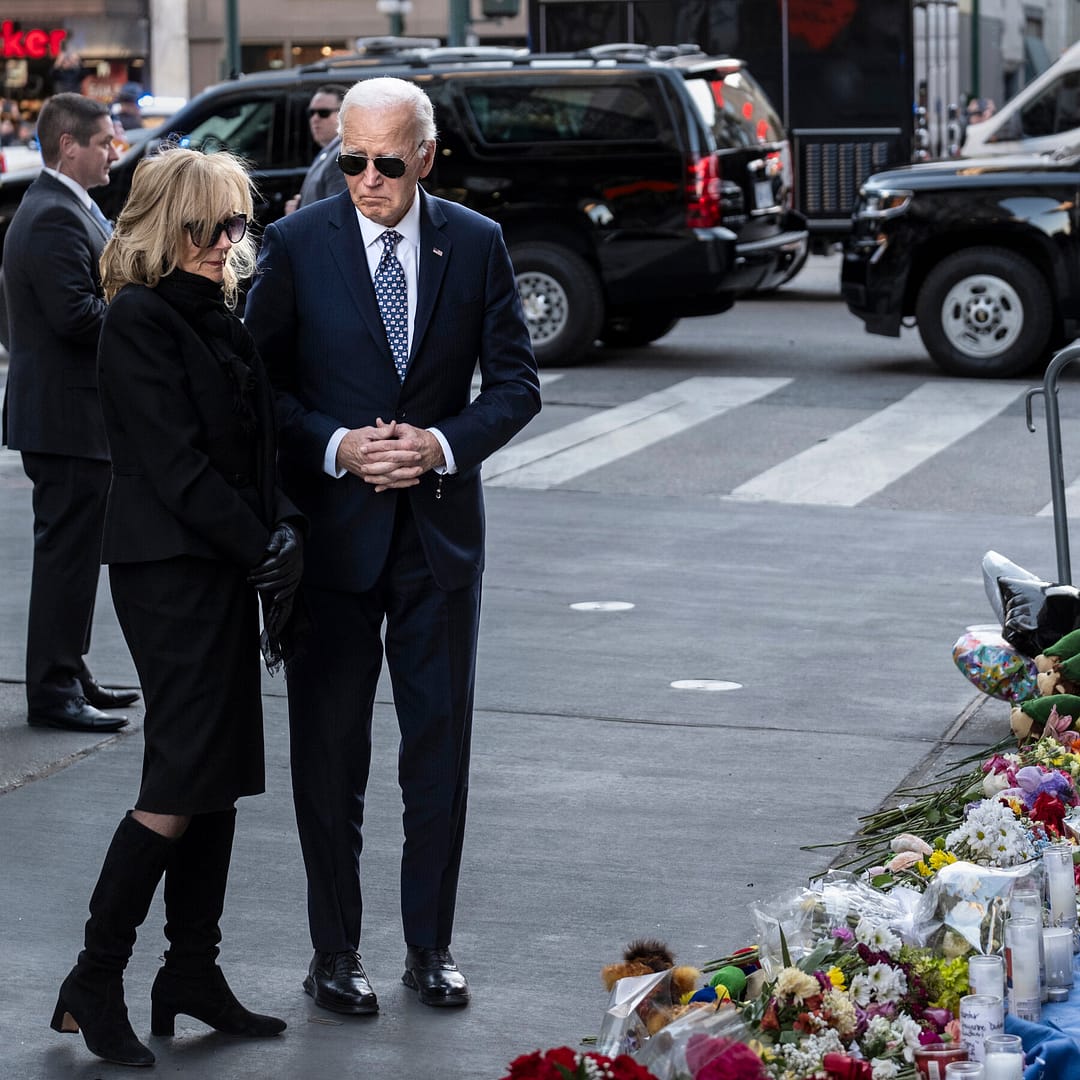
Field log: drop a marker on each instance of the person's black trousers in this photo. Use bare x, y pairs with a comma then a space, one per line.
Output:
430, 647
69, 514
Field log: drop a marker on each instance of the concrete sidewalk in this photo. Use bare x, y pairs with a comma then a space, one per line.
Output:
604, 804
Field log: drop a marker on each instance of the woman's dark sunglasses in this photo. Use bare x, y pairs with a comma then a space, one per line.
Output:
233, 227
356, 164
322, 114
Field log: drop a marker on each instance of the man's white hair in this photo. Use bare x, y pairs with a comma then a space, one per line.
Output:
387, 93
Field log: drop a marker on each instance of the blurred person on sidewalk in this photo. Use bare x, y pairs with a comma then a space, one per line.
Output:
126, 110
372, 309
54, 306
323, 178
196, 531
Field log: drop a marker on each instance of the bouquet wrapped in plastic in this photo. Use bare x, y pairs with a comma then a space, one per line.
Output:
800, 918
965, 907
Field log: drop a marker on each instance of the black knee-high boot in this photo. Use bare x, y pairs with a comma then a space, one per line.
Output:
92, 996
191, 982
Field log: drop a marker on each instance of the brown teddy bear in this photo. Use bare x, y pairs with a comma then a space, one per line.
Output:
647, 956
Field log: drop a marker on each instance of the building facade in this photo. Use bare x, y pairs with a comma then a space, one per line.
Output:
175, 48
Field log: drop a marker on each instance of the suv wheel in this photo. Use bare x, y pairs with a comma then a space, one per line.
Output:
984, 311
561, 296
630, 330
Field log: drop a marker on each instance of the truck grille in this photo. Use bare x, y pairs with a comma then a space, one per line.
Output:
832, 166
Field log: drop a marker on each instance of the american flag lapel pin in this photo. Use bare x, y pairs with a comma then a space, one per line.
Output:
438, 251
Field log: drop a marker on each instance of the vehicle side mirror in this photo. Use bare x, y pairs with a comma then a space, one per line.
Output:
1010, 130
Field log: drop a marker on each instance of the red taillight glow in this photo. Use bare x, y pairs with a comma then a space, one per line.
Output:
703, 207
748, 110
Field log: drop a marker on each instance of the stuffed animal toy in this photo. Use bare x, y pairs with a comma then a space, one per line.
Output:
1058, 666
645, 956
1031, 719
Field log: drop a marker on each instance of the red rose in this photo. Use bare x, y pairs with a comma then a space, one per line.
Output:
1050, 812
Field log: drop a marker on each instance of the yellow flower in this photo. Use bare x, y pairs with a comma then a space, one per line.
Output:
941, 858
924, 870
836, 977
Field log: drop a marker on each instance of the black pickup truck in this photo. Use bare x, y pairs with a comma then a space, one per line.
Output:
983, 255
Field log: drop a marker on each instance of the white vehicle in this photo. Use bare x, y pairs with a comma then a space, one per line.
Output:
1041, 118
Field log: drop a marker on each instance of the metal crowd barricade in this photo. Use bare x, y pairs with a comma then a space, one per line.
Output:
1049, 390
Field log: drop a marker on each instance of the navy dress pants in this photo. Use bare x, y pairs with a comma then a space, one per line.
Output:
430, 650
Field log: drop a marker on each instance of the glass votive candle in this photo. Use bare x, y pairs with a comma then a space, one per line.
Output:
931, 1059
1026, 902
1023, 938
980, 1015
986, 974
965, 1070
1003, 1058
1057, 862
1057, 949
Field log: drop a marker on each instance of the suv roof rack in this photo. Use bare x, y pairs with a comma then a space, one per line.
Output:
380, 46
450, 53
619, 50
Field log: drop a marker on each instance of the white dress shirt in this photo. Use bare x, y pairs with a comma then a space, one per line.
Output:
408, 254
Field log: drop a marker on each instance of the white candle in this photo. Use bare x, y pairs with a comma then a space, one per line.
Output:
1003, 1067
1061, 886
1057, 948
1022, 940
986, 974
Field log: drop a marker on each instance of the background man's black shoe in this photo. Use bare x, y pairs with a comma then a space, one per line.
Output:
433, 973
102, 697
337, 982
76, 714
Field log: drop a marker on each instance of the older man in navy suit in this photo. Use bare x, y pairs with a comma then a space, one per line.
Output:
54, 308
372, 311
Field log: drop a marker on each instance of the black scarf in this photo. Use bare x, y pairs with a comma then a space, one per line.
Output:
202, 304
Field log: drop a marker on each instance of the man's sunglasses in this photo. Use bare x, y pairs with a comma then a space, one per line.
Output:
356, 164
234, 228
322, 114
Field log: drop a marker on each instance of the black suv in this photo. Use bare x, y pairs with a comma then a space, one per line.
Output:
634, 186
983, 254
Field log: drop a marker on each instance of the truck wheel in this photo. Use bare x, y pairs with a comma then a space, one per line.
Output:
563, 304
984, 312
629, 330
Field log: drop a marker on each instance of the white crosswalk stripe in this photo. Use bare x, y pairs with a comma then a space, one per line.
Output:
1072, 502
607, 436
861, 460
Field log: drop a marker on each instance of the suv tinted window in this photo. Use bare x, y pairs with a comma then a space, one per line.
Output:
1055, 110
549, 113
735, 108
246, 128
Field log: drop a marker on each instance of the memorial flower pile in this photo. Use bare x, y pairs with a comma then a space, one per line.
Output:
998, 810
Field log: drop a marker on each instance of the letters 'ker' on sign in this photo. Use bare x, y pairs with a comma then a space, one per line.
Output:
29, 44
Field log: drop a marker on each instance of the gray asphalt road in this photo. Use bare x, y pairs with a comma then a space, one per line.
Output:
606, 803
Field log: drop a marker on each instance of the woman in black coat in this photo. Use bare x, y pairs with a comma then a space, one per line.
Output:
196, 529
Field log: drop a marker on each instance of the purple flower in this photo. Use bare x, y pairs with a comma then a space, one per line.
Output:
1028, 779
1057, 784
842, 933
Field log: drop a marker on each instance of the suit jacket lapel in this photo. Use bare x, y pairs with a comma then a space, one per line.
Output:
434, 256
347, 248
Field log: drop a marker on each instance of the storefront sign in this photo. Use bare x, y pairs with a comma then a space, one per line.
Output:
33, 44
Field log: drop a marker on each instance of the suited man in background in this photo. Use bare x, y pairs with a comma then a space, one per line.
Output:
323, 178
372, 310
54, 310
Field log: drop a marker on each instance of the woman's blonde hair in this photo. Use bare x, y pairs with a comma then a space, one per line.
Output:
172, 190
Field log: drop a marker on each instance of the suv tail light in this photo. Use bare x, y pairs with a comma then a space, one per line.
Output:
704, 207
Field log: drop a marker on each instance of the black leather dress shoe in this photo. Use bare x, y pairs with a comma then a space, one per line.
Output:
102, 697
433, 973
76, 714
337, 982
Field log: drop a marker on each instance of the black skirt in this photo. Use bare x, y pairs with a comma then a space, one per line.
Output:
192, 626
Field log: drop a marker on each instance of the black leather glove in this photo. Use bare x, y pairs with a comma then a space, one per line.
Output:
282, 563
